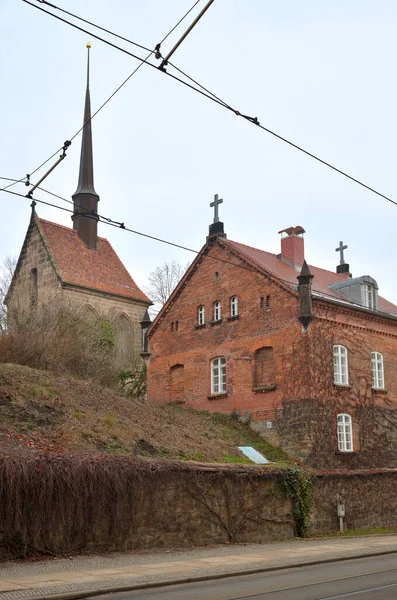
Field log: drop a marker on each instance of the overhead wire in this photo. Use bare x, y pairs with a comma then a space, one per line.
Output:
121, 225
217, 100
118, 88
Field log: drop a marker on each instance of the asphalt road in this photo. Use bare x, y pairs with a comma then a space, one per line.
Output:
360, 579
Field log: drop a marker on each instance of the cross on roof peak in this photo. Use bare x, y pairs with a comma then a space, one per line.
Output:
340, 249
215, 204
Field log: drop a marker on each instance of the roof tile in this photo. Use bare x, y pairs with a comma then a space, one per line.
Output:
281, 270
99, 270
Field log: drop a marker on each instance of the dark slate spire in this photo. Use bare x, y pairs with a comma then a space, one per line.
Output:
85, 219
305, 296
145, 323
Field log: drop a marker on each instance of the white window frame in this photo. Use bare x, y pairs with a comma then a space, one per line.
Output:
218, 375
234, 306
201, 315
345, 433
369, 295
378, 373
217, 311
341, 365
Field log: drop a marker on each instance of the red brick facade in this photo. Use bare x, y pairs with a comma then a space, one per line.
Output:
276, 370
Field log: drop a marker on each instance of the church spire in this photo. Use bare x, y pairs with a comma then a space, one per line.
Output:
85, 219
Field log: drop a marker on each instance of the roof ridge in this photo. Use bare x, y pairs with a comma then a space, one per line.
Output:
277, 255
68, 228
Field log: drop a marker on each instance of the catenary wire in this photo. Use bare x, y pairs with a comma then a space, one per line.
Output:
212, 97
135, 43
120, 225
117, 89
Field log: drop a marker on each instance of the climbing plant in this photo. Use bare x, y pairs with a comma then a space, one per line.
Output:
296, 485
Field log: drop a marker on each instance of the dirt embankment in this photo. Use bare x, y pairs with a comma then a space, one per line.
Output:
43, 411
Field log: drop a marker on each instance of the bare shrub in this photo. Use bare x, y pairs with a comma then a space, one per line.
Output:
57, 338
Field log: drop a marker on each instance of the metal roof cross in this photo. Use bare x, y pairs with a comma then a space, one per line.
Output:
215, 204
340, 249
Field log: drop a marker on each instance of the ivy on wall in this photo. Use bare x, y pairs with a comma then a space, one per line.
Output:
296, 486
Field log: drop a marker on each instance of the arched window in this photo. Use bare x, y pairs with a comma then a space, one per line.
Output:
378, 377
217, 311
124, 341
88, 313
218, 375
341, 373
264, 367
201, 315
345, 433
177, 383
234, 306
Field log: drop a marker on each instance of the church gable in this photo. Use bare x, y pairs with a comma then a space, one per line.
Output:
35, 278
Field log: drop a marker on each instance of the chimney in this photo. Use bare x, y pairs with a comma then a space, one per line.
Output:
292, 246
85, 198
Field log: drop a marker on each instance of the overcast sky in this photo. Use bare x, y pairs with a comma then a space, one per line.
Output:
321, 73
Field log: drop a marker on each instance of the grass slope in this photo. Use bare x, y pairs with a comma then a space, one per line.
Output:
40, 410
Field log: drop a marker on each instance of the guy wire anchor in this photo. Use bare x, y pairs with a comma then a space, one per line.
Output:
60, 159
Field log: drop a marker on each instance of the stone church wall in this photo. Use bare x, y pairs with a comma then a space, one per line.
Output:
34, 255
124, 315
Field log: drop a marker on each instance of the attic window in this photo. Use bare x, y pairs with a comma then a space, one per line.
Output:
369, 296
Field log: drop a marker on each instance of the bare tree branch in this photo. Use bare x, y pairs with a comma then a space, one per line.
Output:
7, 269
163, 280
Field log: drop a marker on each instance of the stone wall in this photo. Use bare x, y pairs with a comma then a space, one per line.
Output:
83, 504
79, 504
369, 497
34, 255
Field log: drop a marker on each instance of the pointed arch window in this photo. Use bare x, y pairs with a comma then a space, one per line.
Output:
345, 433
341, 371
378, 376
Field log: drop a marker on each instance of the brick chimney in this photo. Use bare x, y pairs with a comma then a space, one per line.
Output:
292, 246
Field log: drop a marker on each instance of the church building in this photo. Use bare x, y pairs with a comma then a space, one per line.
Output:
309, 356
77, 269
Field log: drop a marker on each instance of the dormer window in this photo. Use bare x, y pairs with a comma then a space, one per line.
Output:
368, 296
362, 291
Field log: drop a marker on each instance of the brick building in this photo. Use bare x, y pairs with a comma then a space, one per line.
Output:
74, 268
308, 354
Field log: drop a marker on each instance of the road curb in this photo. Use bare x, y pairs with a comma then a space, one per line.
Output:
198, 578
